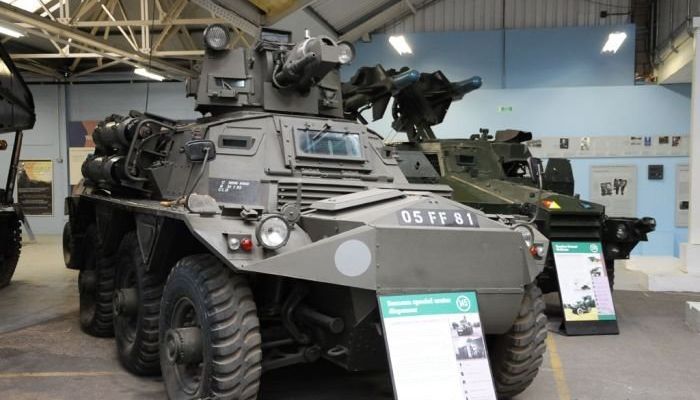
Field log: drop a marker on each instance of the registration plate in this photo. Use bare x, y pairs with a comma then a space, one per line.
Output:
453, 218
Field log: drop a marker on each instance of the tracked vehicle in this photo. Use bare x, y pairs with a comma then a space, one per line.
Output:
496, 175
16, 115
259, 236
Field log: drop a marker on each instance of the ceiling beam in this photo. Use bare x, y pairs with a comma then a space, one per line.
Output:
88, 41
275, 15
227, 14
140, 22
376, 22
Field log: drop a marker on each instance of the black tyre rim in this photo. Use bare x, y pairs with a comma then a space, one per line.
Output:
188, 375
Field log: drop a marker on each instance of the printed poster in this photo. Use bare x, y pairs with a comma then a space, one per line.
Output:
615, 187
682, 195
436, 347
35, 187
583, 281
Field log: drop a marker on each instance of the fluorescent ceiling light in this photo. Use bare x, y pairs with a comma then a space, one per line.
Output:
7, 30
400, 45
615, 40
148, 74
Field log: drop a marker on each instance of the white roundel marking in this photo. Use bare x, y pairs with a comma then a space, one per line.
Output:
353, 258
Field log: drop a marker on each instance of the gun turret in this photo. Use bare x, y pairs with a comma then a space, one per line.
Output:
421, 100
275, 75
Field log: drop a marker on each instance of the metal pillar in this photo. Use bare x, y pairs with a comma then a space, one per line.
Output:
690, 253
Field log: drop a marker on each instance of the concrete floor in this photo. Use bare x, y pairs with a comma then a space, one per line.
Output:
44, 355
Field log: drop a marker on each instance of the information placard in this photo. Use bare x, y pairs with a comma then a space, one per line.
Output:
436, 346
584, 289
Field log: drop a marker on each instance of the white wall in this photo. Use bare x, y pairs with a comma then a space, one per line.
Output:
47, 141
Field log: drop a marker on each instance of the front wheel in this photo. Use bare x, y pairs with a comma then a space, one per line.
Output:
516, 356
11, 236
209, 333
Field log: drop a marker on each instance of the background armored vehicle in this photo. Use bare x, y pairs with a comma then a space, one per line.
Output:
16, 114
496, 176
259, 236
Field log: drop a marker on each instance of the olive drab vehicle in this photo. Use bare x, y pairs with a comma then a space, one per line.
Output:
496, 175
260, 235
16, 114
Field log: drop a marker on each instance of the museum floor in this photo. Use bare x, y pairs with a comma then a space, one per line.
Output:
44, 355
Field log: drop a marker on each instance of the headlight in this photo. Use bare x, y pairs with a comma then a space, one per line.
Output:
272, 232
216, 37
621, 232
527, 233
346, 52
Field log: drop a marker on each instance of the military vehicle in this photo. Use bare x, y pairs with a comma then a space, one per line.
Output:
496, 176
260, 235
16, 114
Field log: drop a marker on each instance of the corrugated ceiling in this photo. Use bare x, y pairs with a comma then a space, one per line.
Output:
469, 15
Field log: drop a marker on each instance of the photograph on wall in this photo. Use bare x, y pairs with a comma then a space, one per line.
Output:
663, 139
436, 346
615, 186
583, 282
585, 143
35, 187
682, 195
563, 143
647, 141
80, 146
676, 141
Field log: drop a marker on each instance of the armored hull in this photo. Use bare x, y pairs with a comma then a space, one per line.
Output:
260, 236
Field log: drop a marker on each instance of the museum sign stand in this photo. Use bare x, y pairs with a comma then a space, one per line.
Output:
584, 290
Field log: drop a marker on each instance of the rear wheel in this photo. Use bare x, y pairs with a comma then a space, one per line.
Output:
210, 333
11, 237
136, 308
516, 356
96, 285
610, 270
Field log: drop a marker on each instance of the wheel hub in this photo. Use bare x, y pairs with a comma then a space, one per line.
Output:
183, 345
125, 301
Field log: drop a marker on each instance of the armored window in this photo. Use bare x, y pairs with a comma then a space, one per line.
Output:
236, 142
328, 144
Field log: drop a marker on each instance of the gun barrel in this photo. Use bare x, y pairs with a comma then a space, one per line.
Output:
463, 87
404, 80
293, 70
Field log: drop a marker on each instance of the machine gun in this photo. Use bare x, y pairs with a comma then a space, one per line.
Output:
421, 100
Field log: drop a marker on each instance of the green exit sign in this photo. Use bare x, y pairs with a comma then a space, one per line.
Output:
505, 108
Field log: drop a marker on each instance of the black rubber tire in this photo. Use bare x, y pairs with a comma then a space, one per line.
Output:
11, 236
226, 313
517, 355
96, 316
137, 335
610, 270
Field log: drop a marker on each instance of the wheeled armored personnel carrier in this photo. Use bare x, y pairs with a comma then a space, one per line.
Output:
497, 176
16, 115
260, 235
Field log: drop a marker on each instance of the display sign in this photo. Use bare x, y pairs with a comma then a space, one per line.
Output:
35, 187
615, 187
584, 289
609, 146
436, 346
